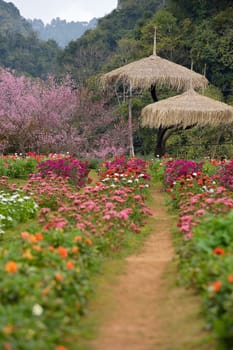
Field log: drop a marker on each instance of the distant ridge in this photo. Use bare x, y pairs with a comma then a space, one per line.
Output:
60, 30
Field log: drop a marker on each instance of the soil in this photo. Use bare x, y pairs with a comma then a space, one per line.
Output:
147, 311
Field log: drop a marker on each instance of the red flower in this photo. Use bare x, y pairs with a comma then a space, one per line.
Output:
219, 251
70, 265
217, 285
63, 252
230, 278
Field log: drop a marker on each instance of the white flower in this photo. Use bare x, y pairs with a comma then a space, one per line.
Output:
37, 310
211, 190
194, 174
130, 181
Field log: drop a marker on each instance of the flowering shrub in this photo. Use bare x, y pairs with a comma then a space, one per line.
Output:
49, 191
72, 168
17, 167
178, 168
125, 172
207, 262
225, 175
44, 287
122, 165
15, 208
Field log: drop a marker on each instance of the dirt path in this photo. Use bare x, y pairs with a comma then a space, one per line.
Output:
146, 311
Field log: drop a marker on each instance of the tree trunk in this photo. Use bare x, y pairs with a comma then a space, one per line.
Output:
160, 143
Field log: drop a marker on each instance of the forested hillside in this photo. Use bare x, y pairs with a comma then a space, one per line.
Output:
20, 47
198, 31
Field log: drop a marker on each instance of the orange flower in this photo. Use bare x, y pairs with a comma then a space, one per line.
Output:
217, 285
11, 267
78, 239
230, 278
32, 239
39, 236
25, 235
7, 346
51, 248
75, 250
61, 347
219, 251
8, 329
70, 265
58, 277
27, 254
37, 248
88, 241
63, 252
46, 291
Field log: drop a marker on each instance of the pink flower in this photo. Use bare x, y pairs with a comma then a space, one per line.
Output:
109, 205
200, 212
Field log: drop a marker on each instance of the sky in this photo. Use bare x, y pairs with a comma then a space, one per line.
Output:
70, 10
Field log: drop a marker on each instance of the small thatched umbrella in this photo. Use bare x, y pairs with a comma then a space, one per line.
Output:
185, 111
150, 72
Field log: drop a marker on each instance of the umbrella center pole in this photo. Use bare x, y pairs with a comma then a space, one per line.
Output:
130, 124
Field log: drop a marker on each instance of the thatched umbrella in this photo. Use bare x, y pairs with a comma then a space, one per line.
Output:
150, 72
185, 111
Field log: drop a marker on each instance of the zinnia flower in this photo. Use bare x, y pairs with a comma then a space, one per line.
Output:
70, 265
61, 347
217, 285
58, 277
11, 267
230, 278
219, 251
37, 310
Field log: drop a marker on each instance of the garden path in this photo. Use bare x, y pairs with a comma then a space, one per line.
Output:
148, 309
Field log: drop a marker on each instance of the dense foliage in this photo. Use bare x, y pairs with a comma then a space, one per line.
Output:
20, 47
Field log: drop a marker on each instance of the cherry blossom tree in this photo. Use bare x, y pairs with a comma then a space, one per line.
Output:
50, 116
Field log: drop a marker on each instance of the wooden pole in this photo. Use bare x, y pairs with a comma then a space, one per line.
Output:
154, 48
131, 147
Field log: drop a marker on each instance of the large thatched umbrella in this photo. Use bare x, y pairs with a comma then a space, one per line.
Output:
185, 111
150, 72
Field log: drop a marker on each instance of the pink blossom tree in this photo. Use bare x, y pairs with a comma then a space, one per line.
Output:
47, 116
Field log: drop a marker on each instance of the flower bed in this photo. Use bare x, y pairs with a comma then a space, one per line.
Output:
45, 273
15, 208
205, 254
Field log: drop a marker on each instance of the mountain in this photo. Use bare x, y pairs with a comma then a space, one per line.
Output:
61, 31
11, 21
89, 54
20, 47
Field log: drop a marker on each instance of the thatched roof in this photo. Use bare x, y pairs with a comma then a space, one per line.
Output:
186, 109
154, 70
